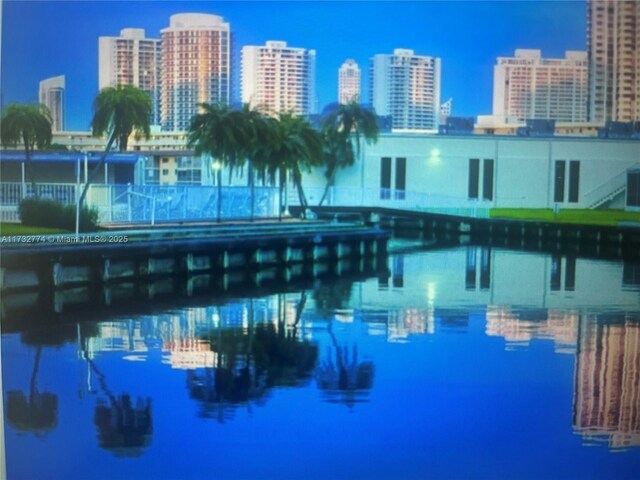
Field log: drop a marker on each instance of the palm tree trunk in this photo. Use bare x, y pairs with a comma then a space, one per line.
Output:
219, 181
94, 172
280, 190
330, 182
29, 166
34, 375
252, 184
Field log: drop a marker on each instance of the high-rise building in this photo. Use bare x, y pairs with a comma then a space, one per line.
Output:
528, 86
51, 94
131, 59
407, 87
349, 82
277, 78
195, 67
613, 44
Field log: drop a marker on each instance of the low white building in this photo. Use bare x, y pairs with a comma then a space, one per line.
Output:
458, 173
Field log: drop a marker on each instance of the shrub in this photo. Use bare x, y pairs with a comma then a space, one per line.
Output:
49, 213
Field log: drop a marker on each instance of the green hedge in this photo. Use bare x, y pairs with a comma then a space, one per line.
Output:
49, 213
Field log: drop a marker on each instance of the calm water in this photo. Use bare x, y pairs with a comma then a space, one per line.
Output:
461, 363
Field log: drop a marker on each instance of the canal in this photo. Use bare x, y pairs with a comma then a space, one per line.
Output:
456, 362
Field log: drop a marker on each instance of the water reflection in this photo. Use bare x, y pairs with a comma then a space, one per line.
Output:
342, 376
37, 413
364, 346
248, 362
606, 401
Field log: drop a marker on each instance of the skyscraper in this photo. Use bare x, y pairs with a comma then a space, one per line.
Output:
528, 86
195, 67
131, 59
51, 94
407, 87
277, 78
349, 82
613, 44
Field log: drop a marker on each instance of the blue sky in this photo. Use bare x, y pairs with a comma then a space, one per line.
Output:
42, 39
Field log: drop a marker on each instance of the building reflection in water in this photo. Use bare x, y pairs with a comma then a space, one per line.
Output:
606, 401
234, 354
518, 328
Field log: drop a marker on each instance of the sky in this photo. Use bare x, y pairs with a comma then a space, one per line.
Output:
41, 39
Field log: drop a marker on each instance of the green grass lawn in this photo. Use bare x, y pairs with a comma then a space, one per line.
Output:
585, 217
7, 229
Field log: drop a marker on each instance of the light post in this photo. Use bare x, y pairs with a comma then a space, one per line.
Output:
216, 166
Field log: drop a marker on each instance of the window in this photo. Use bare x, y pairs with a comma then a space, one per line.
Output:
385, 178
487, 180
633, 188
558, 190
474, 177
574, 180
401, 178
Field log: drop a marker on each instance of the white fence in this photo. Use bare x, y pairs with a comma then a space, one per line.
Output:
159, 203
150, 203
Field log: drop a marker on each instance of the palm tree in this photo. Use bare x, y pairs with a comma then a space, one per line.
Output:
221, 133
345, 123
29, 124
119, 112
295, 146
260, 134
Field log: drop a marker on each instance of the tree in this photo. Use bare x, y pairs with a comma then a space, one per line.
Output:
295, 146
29, 124
343, 129
221, 133
119, 112
260, 133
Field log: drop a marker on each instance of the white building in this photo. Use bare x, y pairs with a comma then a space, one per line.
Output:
613, 43
195, 67
468, 175
407, 87
527, 86
131, 59
51, 94
277, 78
349, 82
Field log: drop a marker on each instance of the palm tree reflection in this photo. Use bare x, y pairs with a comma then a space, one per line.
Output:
342, 377
39, 412
249, 362
124, 428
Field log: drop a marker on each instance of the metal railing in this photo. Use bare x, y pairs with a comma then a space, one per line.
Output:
396, 199
607, 190
149, 203
12, 193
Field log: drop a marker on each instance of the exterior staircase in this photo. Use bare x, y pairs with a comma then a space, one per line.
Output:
608, 191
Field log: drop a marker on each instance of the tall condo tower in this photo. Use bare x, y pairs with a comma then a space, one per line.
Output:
277, 78
195, 66
528, 86
131, 59
51, 94
407, 87
613, 40
349, 82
